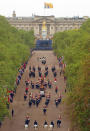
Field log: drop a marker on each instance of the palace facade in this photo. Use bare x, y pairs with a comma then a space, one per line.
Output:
53, 24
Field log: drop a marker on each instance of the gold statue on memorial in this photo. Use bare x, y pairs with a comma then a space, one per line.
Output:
44, 26
44, 30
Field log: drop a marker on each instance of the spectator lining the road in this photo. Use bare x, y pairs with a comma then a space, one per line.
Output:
12, 112
0, 124
59, 122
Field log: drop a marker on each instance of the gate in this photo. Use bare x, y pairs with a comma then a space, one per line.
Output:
43, 45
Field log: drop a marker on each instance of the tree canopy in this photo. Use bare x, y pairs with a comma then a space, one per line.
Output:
74, 45
14, 50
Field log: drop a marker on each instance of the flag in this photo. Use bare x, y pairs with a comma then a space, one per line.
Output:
48, 5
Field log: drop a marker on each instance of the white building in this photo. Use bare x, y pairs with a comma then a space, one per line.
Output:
53, 24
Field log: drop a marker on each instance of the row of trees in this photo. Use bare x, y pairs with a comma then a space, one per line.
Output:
14, 50
74, 45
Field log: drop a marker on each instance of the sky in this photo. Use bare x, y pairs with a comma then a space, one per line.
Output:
61, 8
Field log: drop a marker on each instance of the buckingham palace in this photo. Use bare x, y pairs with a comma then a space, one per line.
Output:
53, 24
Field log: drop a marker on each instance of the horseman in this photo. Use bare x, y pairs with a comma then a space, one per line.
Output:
39, 73
55, 74
46, 68
44, 110
59, 99
27, 120
25, 96
26, 90
56, 102
48, 96
34, 100
34, 68
49, 84
39, 68
56, 89
35, 124
45, 124
59, 121
53, 69
30, 94
27, 82
37, 85
52, 123
32, 85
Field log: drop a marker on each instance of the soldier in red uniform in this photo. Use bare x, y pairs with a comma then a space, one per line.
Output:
56, 89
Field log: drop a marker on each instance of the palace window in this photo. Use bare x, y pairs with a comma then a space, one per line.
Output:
66, 28
31, 28
56, 28
36, 27
61, 28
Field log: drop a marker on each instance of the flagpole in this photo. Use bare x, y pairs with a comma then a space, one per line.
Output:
44, 6
44, 11
48, 8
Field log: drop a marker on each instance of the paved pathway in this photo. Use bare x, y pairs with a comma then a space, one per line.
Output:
21, 107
